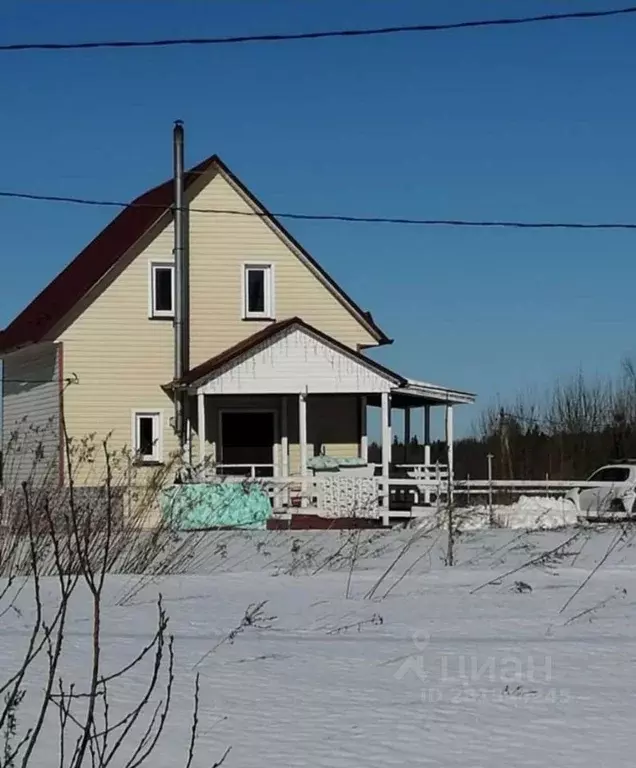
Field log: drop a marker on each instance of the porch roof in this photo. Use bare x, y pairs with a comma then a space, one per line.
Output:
415, 394
429, 394
289, 356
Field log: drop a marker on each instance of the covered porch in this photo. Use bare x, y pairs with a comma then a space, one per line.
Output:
292, 404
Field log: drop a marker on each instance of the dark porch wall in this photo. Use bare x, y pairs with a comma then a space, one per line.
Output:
332, 421
214, 406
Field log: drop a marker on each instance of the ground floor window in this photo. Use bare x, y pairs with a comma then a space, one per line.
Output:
147, 437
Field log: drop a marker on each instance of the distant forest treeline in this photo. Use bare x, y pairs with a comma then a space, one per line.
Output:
565, 434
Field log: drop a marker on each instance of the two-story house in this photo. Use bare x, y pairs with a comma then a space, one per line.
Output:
277, 370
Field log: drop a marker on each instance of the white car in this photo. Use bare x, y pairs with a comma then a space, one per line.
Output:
614, 500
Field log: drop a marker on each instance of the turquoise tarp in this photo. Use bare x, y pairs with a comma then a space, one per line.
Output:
322, 463
198, 505
352, 461
333, 463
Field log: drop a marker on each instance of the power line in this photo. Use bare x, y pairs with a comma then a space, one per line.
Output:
335, 33
345, 218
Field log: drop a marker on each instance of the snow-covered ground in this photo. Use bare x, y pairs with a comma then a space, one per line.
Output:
530, 512
370, 651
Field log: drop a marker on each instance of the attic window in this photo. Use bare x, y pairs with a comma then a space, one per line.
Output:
258, 291
162, 290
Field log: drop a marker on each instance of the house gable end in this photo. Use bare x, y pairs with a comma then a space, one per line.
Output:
256, 207
293, 359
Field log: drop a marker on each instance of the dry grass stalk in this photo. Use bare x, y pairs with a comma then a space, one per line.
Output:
78, 539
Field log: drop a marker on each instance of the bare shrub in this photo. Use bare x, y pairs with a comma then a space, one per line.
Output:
77, 535
567, 432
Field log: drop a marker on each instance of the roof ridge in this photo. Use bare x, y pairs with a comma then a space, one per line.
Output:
80, 276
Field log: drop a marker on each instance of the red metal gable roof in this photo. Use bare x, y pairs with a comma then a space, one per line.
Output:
58, 299
52, 305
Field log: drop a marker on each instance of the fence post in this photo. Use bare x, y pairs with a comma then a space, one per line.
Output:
491, 519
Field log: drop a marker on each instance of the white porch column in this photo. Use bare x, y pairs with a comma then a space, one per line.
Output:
407, 433
187, 415
364, 437
427, 450
284, 449
201, 425
449, 446
386, 448
284, 438
302, 439
427, 434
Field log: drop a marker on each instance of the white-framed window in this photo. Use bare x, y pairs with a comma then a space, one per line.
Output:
258, 291
161, 289
147, 436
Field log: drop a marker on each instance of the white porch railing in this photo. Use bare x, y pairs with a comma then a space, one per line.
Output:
350, 494
423, 474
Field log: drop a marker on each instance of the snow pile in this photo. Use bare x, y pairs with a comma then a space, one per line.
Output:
530, 512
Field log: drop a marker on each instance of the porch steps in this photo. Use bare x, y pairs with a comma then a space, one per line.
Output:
313, 519
312, 522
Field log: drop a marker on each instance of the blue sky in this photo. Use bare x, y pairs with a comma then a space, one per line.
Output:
534, 122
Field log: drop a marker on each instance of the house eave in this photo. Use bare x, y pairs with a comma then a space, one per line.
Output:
436, 393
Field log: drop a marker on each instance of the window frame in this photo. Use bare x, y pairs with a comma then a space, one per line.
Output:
156, 415
153, 312
269, 312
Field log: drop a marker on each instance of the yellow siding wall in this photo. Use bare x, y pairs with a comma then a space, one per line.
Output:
122, 357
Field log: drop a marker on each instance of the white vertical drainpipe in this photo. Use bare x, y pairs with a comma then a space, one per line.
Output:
181, 298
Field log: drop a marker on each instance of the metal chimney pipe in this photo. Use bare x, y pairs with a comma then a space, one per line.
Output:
181, 293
